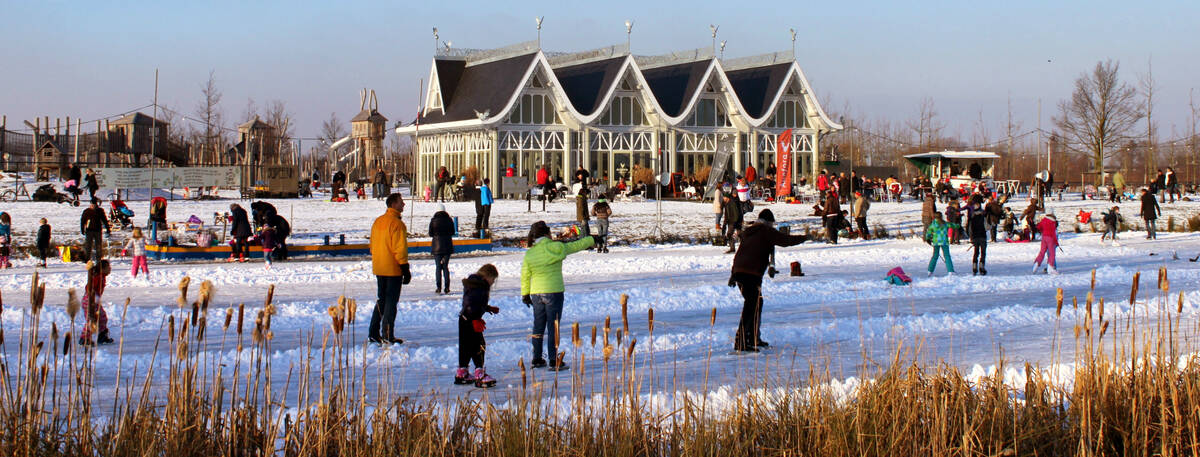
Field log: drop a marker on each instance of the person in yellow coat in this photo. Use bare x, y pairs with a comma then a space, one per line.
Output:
389, 262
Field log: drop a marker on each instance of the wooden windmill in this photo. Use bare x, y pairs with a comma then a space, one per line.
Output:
367, 129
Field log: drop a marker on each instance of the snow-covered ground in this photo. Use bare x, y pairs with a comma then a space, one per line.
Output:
841, 313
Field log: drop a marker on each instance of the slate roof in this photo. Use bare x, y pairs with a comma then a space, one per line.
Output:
139, 119
674, 85
756, 87
483, 87
586, 84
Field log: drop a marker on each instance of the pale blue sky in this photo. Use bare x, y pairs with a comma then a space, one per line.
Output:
89, 59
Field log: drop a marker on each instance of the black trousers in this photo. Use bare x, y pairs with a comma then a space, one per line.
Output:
747, 336
862, 226
383, 317
979, 254
93, 245
440, 192
471, 346
240, 246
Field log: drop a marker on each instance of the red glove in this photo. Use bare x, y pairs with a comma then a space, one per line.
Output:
124, 253
493, 310
479, 325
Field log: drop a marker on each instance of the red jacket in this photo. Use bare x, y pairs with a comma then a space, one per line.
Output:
543, 175
751, 174
822, 182
1048, 227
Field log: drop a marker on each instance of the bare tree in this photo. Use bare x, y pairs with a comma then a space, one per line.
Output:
208, 111
276, 114
927, 128
1146, 83
332, 129
1101, 113
250, 110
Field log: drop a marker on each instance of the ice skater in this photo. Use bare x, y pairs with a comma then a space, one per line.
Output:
43, 241
937, 235
5, 240
749, 264
97, 319
471, 345
269, 243
1048, 228
1112, 223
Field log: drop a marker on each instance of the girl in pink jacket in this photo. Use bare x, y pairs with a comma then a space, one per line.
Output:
1048, 228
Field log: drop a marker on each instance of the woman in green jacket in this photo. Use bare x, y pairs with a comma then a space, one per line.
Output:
542, 288
936, 235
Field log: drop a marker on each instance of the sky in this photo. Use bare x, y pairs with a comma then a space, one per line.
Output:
877, 60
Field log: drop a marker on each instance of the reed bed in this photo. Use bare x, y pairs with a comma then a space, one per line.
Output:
1134, 390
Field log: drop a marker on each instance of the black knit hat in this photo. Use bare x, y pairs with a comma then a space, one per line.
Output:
766, 215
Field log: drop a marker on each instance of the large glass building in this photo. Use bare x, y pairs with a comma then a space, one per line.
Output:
611, 112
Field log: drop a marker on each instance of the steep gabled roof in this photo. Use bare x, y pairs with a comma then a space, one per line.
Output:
586, 84
756, 87
255, 124
448, 74
482, 87
674, 85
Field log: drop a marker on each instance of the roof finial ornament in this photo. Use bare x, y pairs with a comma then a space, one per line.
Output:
714, 36
628, 32
435, 41
539, 30
793, 31
723, 48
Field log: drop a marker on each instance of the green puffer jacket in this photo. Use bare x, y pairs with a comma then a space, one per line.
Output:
936, 233
541, 270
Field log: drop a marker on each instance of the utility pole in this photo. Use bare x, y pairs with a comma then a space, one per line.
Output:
153, 133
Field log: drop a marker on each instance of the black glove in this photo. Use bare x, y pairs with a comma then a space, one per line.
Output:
732, 283
405, 275
771, 271
527, 301
493, 310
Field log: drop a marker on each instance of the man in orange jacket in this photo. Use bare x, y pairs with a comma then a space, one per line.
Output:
389, 262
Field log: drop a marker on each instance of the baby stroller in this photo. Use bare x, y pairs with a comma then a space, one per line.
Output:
46, 193
120, 214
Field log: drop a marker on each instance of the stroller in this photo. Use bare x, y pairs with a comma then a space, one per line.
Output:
46, 193
120, 214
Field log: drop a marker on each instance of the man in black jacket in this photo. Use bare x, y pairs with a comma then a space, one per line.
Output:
1150, 212
995, 212
91, 223
749, 264
733, 221
441, 230
240, 231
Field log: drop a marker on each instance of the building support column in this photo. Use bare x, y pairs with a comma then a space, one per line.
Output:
494, 159
738, 166
816, 154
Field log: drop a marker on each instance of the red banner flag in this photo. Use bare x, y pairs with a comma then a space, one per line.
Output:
783, 165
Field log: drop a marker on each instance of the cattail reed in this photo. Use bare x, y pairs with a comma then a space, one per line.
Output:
67, 343
1088, 302
575, 341
1179, 307
206, 294
619, 335
241, 316
270, 296
712, 319
1103, 328
650, 319
521, 365
629, 350
1101, 308
1133, 290
170, 328
72, 303
1093, 279
625, 312
228, 319
1058, 299
183, 291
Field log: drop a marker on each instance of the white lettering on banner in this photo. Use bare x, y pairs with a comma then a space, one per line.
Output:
166, 178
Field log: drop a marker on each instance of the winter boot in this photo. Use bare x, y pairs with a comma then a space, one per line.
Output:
242, 258
974, 269
1036, 267
558, 364
103, 338
83, 341
982, 270
483, 380
1051, 270
462, 376
232, 258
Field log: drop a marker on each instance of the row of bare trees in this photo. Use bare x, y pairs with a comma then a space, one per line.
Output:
1105, 125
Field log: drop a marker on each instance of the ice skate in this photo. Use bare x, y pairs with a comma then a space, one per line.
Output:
538, 363
1051, 270
483, 380
463, 377
103, 338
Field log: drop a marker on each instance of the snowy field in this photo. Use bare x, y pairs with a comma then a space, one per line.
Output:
841, 315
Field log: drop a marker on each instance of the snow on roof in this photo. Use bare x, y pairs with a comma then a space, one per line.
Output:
955, 155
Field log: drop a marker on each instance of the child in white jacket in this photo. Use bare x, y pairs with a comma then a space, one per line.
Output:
135, 247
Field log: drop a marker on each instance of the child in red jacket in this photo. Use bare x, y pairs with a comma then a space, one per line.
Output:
97, 278
471, 346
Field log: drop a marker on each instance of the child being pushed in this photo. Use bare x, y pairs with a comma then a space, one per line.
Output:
471, 347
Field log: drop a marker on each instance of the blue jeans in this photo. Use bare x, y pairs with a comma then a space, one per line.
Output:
384, 314
442, 269
547, 310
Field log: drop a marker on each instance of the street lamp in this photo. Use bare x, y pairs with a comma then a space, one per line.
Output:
539, 30
793, 32
435, 40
